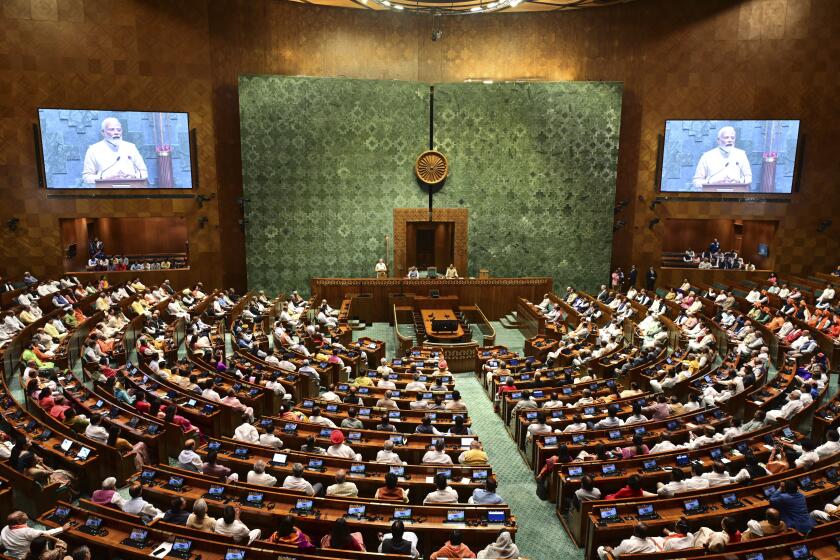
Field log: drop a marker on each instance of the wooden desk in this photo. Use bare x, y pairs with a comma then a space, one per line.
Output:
495, 296
431, 315
670, 510
208, 546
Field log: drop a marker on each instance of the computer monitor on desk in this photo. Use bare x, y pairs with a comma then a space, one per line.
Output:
444, 325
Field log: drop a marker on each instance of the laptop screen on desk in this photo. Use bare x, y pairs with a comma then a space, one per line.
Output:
608, 513
645, 510
455, 515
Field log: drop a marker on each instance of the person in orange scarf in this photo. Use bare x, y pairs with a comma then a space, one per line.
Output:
453, 548
287, 533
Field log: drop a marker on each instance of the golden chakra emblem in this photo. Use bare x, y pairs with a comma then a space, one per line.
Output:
431, 167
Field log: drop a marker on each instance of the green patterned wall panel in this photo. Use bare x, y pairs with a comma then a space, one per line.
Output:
326, 160
535, 163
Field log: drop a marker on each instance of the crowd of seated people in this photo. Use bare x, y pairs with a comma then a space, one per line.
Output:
714, 257
747, 361
117, 263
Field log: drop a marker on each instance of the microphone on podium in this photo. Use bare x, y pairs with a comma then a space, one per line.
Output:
136, 169
116, 161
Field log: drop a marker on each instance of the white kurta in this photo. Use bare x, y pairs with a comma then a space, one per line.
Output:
101, 162
715, 166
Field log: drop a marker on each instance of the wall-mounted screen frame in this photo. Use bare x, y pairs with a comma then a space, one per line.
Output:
81, 149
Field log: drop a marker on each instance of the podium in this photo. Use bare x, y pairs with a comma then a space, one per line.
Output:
726, 187
121, 183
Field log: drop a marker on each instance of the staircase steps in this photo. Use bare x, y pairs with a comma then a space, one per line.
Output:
511, 321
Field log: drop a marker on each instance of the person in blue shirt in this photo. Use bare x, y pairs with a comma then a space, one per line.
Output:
486, 495
792, 507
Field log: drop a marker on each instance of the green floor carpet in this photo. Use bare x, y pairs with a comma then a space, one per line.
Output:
539, 534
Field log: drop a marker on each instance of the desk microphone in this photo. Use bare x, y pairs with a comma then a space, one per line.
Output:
116, 161
718, 172
131, 159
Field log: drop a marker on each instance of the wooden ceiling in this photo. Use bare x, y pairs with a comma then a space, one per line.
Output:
471, 7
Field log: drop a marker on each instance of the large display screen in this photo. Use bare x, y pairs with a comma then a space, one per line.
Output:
729, 156
86, 149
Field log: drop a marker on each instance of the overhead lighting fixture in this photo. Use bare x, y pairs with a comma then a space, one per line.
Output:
486, 81
469, 7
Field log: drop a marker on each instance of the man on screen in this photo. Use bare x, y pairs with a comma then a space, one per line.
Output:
112, 158
723, 164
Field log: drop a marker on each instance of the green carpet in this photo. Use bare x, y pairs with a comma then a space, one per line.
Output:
539, 534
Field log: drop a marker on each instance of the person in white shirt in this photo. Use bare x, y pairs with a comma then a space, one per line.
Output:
718, 476
678, 539
316, 418
341, 449
584, 400
639, 543
17, 535
416, 384
138, 506
384, 383
677, 484
210, 393
577, 425
246, 432
437, 455
611, 421
269, 439
230, 526
387, 456
381, 269
112, 158
828, 449
723, 164
538, 427
95, 430
553, 402
295, 481
384, 369
419, 403
259, 477
342, 488
636, 417
443, 494
708, 437
788, 410
189, 459
664, 445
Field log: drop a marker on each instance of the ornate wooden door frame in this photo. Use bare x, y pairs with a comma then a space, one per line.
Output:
460, 216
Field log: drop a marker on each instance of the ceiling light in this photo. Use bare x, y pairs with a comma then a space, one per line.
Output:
476, 9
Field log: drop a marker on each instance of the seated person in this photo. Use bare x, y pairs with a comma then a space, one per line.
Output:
454, 548
770, 525
638, 543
